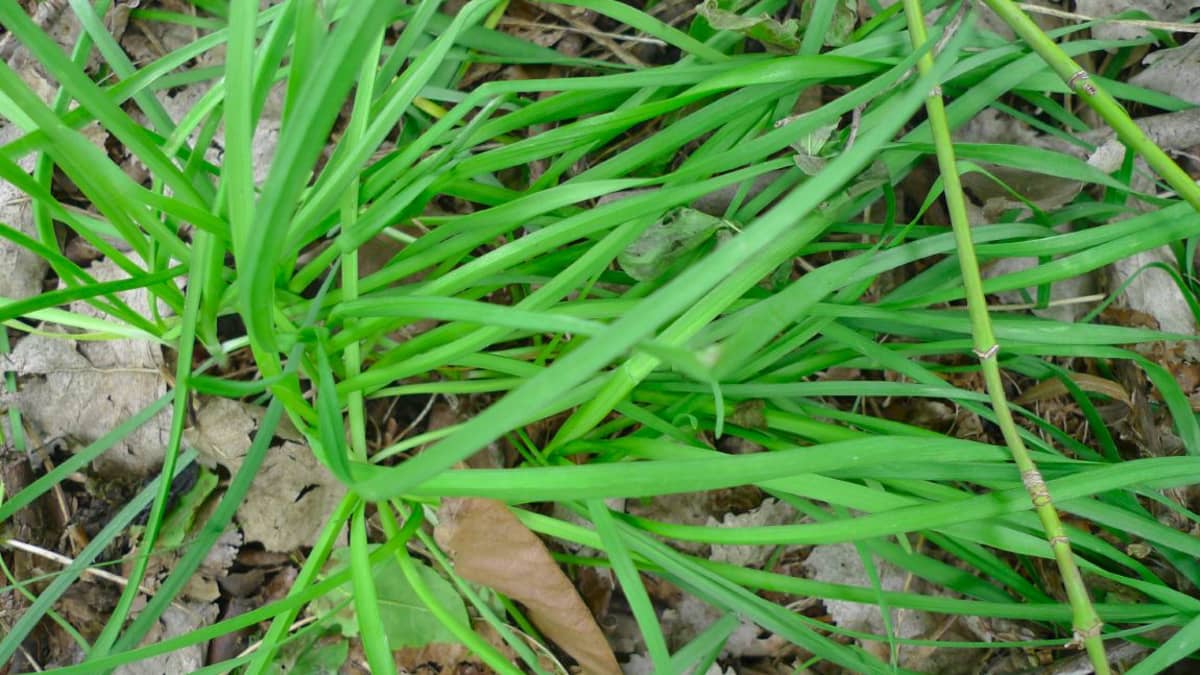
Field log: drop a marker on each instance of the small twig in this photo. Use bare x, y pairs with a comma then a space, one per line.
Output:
590, 32
42, 449
65, 561
31, 661
1140, 23
855, 123
37, 667
616, 49
419, 417
1079, 300
291, 629
952, 28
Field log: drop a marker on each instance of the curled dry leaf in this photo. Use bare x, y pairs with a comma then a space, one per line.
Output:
1152, 291
491, 547
1053, 388
1169, 131
1044, 191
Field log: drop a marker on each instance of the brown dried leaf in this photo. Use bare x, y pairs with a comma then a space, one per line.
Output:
491, 547
1053, 388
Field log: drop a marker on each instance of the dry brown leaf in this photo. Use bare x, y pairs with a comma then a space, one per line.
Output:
491, 547
1053, 388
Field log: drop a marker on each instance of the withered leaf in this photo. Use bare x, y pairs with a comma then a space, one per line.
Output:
491, 547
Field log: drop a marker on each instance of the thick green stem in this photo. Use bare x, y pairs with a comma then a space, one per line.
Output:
1104, 104
1086, 622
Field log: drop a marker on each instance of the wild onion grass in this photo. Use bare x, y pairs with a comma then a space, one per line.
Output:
643, 375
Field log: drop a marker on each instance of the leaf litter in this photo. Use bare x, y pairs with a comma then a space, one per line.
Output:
80, 389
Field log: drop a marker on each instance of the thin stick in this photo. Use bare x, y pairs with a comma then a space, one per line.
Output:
1085, 621
65, 561
1172, 26
590, 32
291, 629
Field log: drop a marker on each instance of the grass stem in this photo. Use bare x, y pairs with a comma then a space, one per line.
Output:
1085, 620
1101, 101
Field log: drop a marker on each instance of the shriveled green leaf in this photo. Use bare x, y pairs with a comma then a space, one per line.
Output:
780, 36
668, 240
179, 522
841, 23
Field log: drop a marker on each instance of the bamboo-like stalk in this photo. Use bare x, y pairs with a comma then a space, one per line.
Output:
1101, 101
1085, 621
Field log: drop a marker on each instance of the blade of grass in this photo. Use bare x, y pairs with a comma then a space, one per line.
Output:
366, 599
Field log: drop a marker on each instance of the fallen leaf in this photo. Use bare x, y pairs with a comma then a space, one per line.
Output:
321, 657
842, 564
292, 492
458, 659
183, 515
841, 24
81, 391
1045, 192
174, 622
690, 616
491, 547
1170, 131
770, 512
1151, 290
1158, 10
1053, 388
666, 241
23, 270
290, 498
1173, 71
774, 35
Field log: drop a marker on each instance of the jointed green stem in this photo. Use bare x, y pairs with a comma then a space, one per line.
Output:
1086, 622
1101, 101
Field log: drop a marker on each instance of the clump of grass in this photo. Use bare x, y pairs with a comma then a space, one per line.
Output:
642, 373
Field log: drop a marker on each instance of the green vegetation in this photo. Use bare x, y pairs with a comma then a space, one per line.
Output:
616, 339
